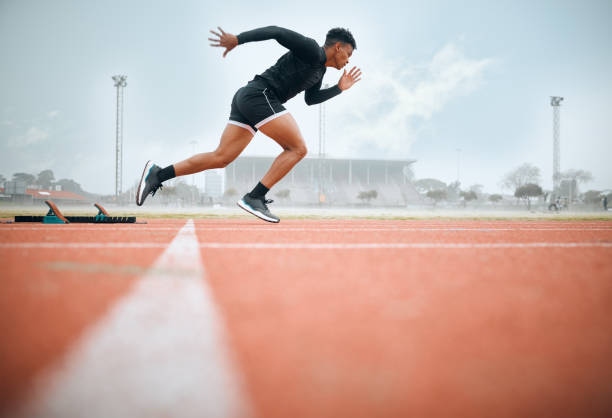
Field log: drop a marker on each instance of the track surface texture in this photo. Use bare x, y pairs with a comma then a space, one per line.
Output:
307, 318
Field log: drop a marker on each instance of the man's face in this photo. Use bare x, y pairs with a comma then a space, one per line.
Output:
343, 53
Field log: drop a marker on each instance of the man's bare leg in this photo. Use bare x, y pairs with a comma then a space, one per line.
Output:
285, 131
233, 141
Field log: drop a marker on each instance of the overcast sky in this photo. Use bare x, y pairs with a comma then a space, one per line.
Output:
438, 76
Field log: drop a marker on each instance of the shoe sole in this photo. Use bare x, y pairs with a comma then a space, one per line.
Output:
143, 180
242, 204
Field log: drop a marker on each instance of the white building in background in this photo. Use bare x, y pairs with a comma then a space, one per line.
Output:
333, 181
214, 185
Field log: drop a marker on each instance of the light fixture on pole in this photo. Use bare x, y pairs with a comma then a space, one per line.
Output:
555, 102
120, 83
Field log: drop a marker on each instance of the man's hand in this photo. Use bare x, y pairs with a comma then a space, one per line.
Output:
224, 40
347, 80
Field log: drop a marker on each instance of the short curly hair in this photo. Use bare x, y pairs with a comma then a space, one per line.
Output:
339, 35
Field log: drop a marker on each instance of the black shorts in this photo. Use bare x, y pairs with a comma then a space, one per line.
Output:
255, 105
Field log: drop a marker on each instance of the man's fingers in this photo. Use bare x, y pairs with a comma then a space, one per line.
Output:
219, 27
215, 33
217, 45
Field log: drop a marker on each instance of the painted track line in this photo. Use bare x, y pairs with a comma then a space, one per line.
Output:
158, 352
429, 245
340, 245
82, 245
394, 229
307, 229
390, 227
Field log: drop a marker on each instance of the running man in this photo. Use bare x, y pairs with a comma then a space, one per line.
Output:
259, 105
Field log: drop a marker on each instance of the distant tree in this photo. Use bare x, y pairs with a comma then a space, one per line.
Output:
45, 179
367, 196
581, 176
476, 188
425, 185
186, 192
283, 194
495, 198
527, 191
183, 190
468, 196
70, 185
520, 176
453, 190
2, 179
169, 191
26, 178
592, 197
231, 192
437, 195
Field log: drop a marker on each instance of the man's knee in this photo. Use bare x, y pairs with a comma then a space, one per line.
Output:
222, 160
300, 151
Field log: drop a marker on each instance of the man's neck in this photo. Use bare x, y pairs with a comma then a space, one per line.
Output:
329, 57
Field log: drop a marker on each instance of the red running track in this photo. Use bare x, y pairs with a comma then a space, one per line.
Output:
330, 318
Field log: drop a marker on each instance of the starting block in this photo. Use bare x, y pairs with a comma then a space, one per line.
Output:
55, 216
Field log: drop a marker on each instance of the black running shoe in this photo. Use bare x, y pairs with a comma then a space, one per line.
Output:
257, 207
148, 183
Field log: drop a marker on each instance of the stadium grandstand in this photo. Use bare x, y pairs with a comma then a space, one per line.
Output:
331, 181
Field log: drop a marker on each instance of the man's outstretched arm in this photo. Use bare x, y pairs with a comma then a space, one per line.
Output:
316, 95
305, 48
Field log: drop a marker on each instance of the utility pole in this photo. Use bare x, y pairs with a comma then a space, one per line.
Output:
193, 144
458, 162
555, 102
120, 83
321, 147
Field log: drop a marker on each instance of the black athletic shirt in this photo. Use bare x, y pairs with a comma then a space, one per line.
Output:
300, 69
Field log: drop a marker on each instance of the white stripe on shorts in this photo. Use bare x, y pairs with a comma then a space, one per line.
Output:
242, 125
269, 118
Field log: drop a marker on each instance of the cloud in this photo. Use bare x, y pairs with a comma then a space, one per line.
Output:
390, 105
34, 135
53, 114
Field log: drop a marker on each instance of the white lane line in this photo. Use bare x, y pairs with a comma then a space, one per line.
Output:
395, 229
82, 245
307, 245
389, 228
71, 228
159, 351
430, 245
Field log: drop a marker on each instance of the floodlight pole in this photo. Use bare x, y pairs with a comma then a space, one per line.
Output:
321, 145
458, 163
193, 144
555, 102
120, 83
